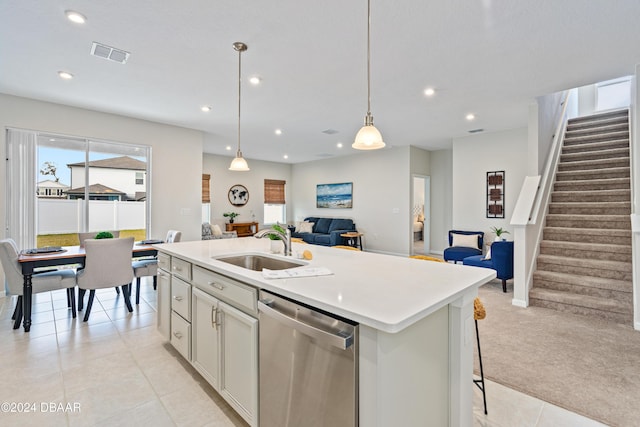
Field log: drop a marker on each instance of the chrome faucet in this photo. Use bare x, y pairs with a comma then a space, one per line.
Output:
285, 237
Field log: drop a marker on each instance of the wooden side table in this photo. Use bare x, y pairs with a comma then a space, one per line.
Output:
243, 229
354, 239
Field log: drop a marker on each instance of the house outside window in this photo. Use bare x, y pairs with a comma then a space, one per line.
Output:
275, 207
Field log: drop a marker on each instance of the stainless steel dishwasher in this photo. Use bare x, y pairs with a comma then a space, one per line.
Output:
308, 366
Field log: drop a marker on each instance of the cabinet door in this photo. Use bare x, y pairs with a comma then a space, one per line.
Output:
239, 379
163, 304
205, 343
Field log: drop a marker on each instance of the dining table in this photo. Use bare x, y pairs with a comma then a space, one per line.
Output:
64, 255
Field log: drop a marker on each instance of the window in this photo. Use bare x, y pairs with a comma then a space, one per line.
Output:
139, 178
613, 94
206, 198
274, 201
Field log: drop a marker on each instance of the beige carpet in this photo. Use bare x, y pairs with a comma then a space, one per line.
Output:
585, 365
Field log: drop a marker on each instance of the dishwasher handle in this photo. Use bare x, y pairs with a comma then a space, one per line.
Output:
341, 342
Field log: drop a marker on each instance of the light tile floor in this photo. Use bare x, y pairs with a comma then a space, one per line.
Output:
116, 370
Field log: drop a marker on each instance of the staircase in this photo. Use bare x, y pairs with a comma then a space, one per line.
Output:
584, 265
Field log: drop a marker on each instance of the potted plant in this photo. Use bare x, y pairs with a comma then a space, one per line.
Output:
104, 235
276, 247
499, 231
231, 216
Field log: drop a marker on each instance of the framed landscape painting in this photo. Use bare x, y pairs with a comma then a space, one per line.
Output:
335, 196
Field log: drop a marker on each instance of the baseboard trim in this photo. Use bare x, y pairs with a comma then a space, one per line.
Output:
519, 303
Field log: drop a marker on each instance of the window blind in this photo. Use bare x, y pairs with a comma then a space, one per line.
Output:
274, 191
206, 193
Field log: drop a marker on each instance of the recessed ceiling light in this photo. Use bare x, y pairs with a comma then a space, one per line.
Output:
228, 147
278, 131
65, 75
206, 108
286, 156
76, 17
429, 91
339, 145
255, 80
470, 116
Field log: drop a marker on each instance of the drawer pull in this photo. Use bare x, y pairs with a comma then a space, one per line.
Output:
217, 286
214, 317
177, 268
178, 335
177, 298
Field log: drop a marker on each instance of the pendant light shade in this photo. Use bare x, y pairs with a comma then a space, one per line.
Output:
239, 164
368, 137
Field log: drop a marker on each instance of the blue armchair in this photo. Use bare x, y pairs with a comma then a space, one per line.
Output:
501, 261
462, 245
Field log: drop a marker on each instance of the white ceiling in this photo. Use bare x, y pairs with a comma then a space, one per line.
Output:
487, 57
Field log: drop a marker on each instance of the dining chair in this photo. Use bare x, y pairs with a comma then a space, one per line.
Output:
92, 235
107, 264
41, 282
149, 266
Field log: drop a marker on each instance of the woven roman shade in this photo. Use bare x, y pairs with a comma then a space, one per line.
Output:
206, 198
274, 192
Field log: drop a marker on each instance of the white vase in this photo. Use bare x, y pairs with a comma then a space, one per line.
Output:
276, 246
498, 239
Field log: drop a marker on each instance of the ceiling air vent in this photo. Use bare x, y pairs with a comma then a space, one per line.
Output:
476, 130
110, 53
330, 131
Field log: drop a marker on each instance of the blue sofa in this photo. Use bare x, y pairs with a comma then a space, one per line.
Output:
458, 253
326, 231
501, 261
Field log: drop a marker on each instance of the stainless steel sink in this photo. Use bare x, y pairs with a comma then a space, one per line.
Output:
257, 262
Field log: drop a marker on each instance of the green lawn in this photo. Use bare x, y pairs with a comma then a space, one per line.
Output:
71, 239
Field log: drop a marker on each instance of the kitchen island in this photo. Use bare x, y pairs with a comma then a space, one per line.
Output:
416, 322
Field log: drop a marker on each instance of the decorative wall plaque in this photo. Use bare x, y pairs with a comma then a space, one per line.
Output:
238, 195
495, 194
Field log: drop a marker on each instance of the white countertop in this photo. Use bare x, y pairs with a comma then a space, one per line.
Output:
384, 292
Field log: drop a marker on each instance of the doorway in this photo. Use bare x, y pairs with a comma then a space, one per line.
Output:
421, 215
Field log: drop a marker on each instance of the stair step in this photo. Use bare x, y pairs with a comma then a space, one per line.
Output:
590, 208
596, 137
585, 267
600, 117
588, 285
594, 164
595, 146
593, 184
598, 251
600, 129
588, 235
582, 305
610, 153
591, 196
607, 222
581, 175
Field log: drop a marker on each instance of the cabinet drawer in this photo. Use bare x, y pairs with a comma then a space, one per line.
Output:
181, 298
181, 335
164, 261
181, 268
235, 293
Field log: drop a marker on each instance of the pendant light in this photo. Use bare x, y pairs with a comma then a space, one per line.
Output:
239, 163
368, 137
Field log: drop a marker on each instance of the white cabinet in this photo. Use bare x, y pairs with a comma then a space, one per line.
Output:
224, 350
164, 303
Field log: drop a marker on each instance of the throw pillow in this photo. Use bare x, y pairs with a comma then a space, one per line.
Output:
466, 240
297, 230
306, 227
487, 257
216, 230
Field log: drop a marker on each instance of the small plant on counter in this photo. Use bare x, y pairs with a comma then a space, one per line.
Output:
231, 216
279, 228
104, 235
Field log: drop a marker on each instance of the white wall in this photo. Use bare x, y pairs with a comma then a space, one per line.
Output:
549, 111
222, 179
176, 159
441, 199
473, 157
381, 195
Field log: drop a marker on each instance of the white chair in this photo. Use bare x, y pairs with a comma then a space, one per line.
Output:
149, 267
107, 264
92, 235
42, 282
